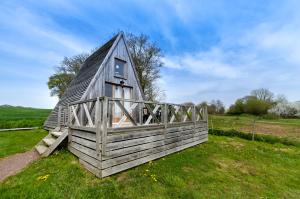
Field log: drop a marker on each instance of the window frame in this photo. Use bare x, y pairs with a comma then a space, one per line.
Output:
124, 68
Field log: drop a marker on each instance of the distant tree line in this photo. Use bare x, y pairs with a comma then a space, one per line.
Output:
263, 102
260, 102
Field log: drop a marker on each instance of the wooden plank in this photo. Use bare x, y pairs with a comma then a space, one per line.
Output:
85, 157
83, 149
126, 158
124, 151
84, 142
87, 113
132, 135
84, 134
143, 134
174, 114
56, 143
116, 169
135, 128
180, 124
98, 117
104, 125
75, 115
187, 113
83, 128
133, 142
91, 168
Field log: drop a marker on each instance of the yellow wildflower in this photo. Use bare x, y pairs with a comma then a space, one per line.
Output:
44, 178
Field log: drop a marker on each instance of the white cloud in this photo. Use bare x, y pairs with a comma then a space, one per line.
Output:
211, 63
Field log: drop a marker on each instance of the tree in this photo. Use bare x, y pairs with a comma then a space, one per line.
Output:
237, 108
215, 107
281, 99
147, 60
256, 106
286, 109
220, 108
249, 104
65, 73
263, 94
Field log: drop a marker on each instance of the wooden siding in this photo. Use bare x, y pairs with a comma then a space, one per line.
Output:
130, 147
106, 74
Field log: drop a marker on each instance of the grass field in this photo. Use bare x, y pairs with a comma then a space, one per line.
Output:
279, 127
221, 168
15, 116
12, 142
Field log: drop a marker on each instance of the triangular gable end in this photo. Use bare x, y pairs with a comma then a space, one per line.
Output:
97, 71
105, 73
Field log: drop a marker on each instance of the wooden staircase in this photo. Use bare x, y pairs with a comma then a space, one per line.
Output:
48, 144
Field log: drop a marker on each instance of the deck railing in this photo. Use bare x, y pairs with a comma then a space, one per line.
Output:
105, 112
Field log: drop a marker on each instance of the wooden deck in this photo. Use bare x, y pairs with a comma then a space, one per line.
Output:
145, 132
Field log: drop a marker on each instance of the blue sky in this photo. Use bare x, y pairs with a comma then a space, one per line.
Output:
213, 49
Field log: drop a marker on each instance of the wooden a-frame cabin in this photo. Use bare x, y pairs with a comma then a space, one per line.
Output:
107, 122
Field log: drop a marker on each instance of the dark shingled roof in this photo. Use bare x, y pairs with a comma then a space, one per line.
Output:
81, 81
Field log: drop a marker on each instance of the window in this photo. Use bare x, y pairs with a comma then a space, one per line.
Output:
108, 90
120, 68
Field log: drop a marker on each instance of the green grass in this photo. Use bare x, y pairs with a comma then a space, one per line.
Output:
12, 142
14, 117
278, 127
223, 167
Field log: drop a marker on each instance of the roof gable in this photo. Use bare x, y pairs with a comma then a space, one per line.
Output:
82, 80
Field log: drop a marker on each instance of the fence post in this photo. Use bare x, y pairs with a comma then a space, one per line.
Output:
98, 132
69, 124
104, 125
165, 118
253, 129
59, 116
141, 107
194, 118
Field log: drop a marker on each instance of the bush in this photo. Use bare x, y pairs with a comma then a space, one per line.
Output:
270, 116
249, 105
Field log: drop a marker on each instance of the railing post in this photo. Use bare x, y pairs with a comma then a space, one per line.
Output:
194, 117
59, 116
98, 117
69, 124
165, 118
104, 125
141, 113
206, 117
165, 115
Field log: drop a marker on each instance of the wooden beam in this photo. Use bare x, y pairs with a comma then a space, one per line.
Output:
124, 117
186, 113
154, 111
74, 110
87, 113
174, 114
126, 112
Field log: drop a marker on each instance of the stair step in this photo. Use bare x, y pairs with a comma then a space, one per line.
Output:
56, 133
41, 148
49, 141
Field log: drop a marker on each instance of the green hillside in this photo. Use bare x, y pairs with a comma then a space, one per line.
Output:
17, 116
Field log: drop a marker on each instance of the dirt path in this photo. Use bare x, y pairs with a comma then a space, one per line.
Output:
15, 163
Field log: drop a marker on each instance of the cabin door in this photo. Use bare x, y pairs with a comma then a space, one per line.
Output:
123, 93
